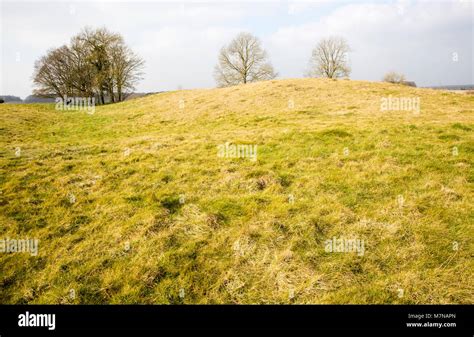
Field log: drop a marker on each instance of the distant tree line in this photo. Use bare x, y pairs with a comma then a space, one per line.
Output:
28, 99
96, 63
9, 98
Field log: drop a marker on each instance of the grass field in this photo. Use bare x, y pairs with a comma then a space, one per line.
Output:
132, 204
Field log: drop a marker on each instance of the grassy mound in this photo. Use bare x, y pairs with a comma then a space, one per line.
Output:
132, 204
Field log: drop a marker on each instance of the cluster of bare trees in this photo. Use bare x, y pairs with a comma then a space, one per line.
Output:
244, 60
393, 77
96, 63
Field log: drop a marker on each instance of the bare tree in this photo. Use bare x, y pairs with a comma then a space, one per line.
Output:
329, 58
393, 77
243, 61
126, 69
84, 73
52, 73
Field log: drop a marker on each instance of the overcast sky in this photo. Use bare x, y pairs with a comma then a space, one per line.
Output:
430, 42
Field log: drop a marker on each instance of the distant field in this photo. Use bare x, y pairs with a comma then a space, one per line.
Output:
132, 204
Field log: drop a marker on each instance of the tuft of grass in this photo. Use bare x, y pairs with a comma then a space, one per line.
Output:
171, 203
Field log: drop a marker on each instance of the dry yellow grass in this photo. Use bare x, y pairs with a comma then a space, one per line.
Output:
159, 217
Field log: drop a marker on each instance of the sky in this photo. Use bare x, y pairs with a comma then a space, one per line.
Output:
431, 42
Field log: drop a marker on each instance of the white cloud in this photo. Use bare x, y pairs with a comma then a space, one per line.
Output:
415, 38
181, 56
